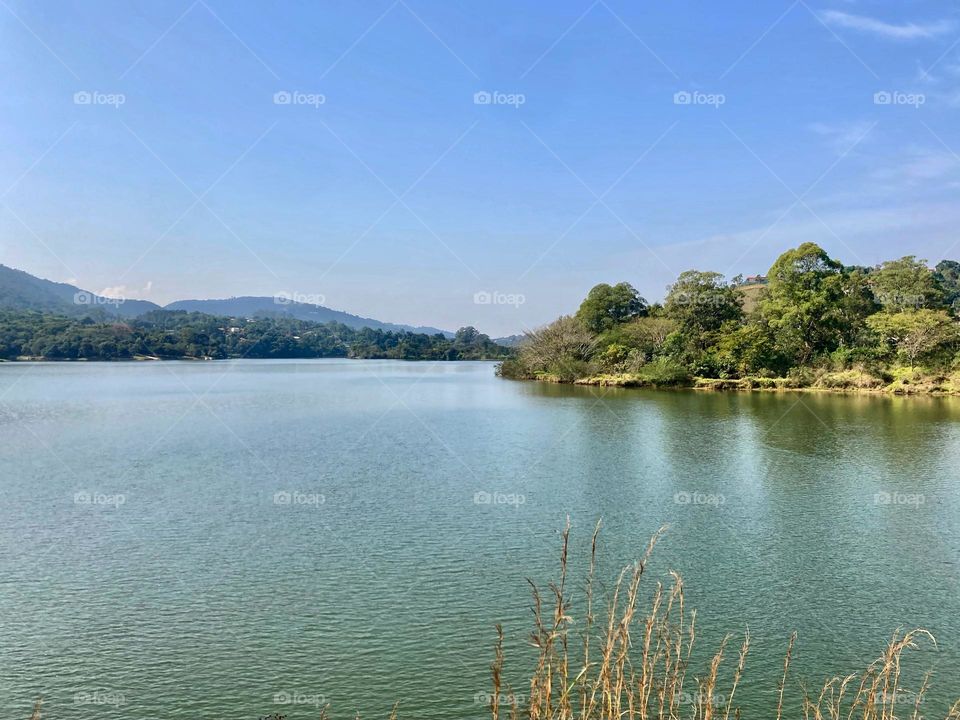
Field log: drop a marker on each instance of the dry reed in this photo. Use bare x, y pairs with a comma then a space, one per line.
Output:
637, 666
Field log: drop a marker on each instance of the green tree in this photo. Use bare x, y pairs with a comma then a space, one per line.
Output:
854, 304
914, 334
468, 336
947, 277
905, 284
800, 304
563, 348
700, 304
746, 349
609, 305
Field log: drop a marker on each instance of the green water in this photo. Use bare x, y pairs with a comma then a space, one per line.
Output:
185, 540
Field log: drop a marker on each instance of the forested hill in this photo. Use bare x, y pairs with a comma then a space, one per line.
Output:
20, 290
282, 305
811, 321
163, 334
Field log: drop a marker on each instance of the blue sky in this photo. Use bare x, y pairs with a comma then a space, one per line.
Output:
145, 151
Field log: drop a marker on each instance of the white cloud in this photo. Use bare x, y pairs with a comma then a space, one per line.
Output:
121, 292
890, 31
861, 235
845, 135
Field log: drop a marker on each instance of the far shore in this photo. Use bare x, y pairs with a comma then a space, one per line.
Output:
837, 383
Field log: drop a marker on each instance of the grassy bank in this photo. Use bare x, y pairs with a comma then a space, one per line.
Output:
895, 381
811, 323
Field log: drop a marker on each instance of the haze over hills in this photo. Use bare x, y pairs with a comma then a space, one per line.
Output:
20, 290
251, 306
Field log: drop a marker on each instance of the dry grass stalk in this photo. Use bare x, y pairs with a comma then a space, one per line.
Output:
633, 666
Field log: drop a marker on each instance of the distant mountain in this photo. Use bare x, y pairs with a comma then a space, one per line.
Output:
246, 307
510, 341
23, 291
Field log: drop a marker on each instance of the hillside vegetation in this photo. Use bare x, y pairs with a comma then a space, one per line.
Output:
20, 290
164, 334
815, 323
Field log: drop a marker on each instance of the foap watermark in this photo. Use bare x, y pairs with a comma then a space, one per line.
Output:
705, 298
286, 298
482, 497
88, 298
897, 97
900, 697
898, 299
898, 498
295, 697
85, 497
699, 698
296, 497
686, 97
296, 97
684, 497
95, 97
485, 97
495, 297
100, 696
486, 699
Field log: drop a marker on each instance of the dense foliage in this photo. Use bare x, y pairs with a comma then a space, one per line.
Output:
175, 334
812, 316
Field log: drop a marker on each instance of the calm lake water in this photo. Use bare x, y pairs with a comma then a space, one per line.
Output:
184, 540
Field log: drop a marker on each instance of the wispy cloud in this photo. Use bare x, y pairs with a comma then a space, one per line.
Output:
843, 135
890, 31
919, 167
126, 291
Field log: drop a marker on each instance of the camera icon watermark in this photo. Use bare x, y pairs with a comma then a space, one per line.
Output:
705, 299
285, 297
896, 97
296, 497
83, 297
295, 97
485, 97
685, 497
95, 97
485, 699
495, 297
85, 497
294, 697
686, 97
898, 498
100, 696
898, 299
700, 698
482, 497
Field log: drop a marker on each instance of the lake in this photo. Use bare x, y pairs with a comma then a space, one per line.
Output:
187, 540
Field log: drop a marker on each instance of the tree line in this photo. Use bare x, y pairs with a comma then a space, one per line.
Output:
170, 335
810, 316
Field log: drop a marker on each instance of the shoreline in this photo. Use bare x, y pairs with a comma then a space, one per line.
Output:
152, 358
769, 385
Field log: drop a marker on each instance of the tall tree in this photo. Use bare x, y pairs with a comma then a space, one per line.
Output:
701, 302
905, 284
800, 303
947, 277
915, 333
609, 305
